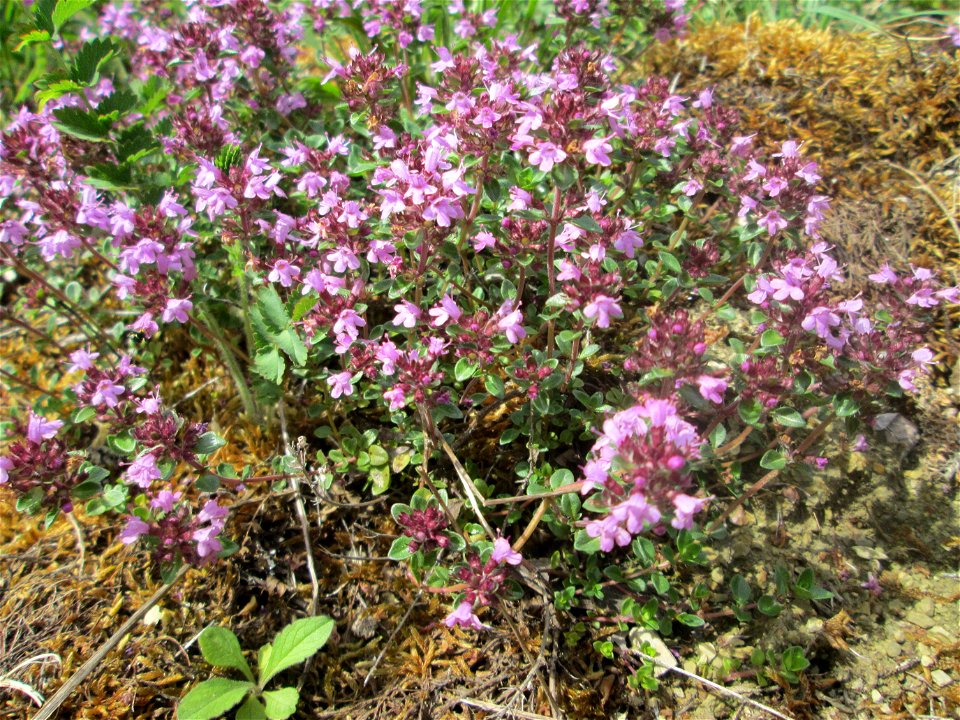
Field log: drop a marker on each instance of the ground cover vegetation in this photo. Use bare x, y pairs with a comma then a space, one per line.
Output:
450, 339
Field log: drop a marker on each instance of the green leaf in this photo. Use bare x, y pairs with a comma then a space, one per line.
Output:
464, 370
289, 341
303, 306
771, 338
221, 648
212, 698
92, 56
43, 16
586, 544
66, 9
55, 89
845, 407
793, 659
29, 503
281, 703
134, 143
252, 709
767, 605
670, 262
84, 125
273, 310
740, 589
117, 103
691, 620
379, 479
85, 490
750, 411
494, 385
270, 365
32, 38
789, 417
773, 460
294, 644
400, 549
209, 442
587, 223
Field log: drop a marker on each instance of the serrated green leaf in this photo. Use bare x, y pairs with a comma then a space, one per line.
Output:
32, 38
90, 58
81, 124
43, 15
272, 309
134, 143
221, 648
118, 102
212, 698
269, 365
66, 9
281, 703
294, 644
55, 89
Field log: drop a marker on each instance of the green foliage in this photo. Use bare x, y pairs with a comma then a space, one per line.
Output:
214, 697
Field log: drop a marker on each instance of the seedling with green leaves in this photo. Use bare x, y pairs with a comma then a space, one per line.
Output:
214, 697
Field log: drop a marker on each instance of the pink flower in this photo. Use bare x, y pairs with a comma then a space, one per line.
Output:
144, 471
595, 151
284, 273
464, 617
40, 429
686, 507
207, 541
407, 314
177, 309
396, 397
773, 222
145, 324
712, 388
519, 199
503, 553
446, 312
884, 276
546, 155
6, 465
512, 324
340, 384
107, 394
602, 308
134, 528
483, 240
165, 500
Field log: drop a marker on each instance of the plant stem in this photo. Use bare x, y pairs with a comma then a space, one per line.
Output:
230, 360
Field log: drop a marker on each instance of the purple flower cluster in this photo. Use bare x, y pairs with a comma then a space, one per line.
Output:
483, 581
640, 466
